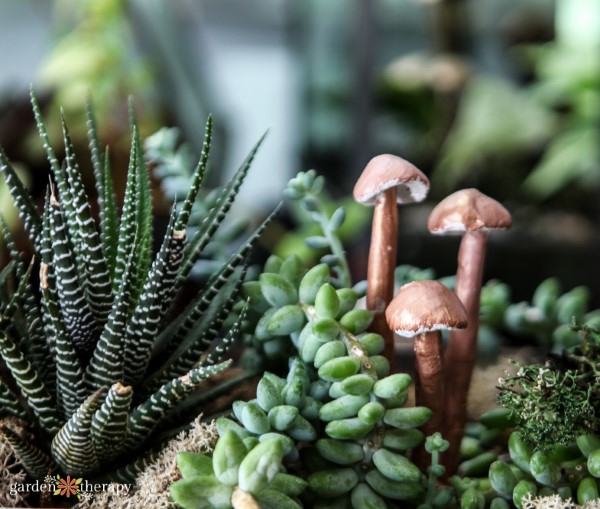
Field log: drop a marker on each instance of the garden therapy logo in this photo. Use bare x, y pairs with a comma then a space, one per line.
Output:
67, 487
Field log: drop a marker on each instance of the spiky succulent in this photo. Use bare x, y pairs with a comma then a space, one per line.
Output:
95, 353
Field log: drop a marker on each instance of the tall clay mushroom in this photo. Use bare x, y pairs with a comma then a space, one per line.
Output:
472, 214
386, 181
422, 309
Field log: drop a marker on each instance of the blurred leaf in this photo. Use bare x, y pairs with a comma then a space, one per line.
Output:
494, 118
572, 155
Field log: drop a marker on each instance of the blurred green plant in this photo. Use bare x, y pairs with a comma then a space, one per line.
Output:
557, 114
94, 50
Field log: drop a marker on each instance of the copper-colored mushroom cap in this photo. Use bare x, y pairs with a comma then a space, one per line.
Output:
425, 306
385, 171
468, 210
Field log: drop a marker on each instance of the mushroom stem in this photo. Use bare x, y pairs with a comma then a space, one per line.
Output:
461, 352
381, 265
429, 385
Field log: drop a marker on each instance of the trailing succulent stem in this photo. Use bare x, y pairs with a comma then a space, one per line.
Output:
88, 354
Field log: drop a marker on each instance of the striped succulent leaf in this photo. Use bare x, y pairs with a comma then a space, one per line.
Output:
144, 325
39, 464
69, 373
9, 402
200, 337
30, 382
76, 313
145, 417
34, 342
143, 204
106, 364
72, 446
109, 423
203, 300
60, 177
96, 276
127, 227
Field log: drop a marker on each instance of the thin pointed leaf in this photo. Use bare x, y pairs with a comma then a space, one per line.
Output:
106, 365
97, 157
77, 317
35, 462
143, 203
212, 288
147, 415
216, 215
27, 209
38, 398
184, 214
97, 278
69, 373
127, 227
145, 321
199, 338
222, 347
9, 403
72, 446
109, 224
36, 347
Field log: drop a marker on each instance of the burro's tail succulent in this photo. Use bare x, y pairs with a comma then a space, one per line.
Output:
338, 419
96, 355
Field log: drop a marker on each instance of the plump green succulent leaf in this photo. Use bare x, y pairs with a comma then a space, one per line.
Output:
260, 466
201, 492
227, 457
333, 483
192, 464
274, 499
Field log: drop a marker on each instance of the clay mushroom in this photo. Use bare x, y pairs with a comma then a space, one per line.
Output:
386, 181
472, 214
422, 309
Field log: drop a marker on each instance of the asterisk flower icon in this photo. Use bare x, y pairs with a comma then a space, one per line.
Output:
68, 486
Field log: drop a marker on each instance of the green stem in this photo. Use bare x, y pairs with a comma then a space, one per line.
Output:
336, 246
432, 479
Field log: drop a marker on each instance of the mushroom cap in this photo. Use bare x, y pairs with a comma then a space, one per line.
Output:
425, 306
385, 171
468, 210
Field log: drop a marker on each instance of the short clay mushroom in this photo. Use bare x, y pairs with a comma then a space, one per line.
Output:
422, 309
386, 181
472, 214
